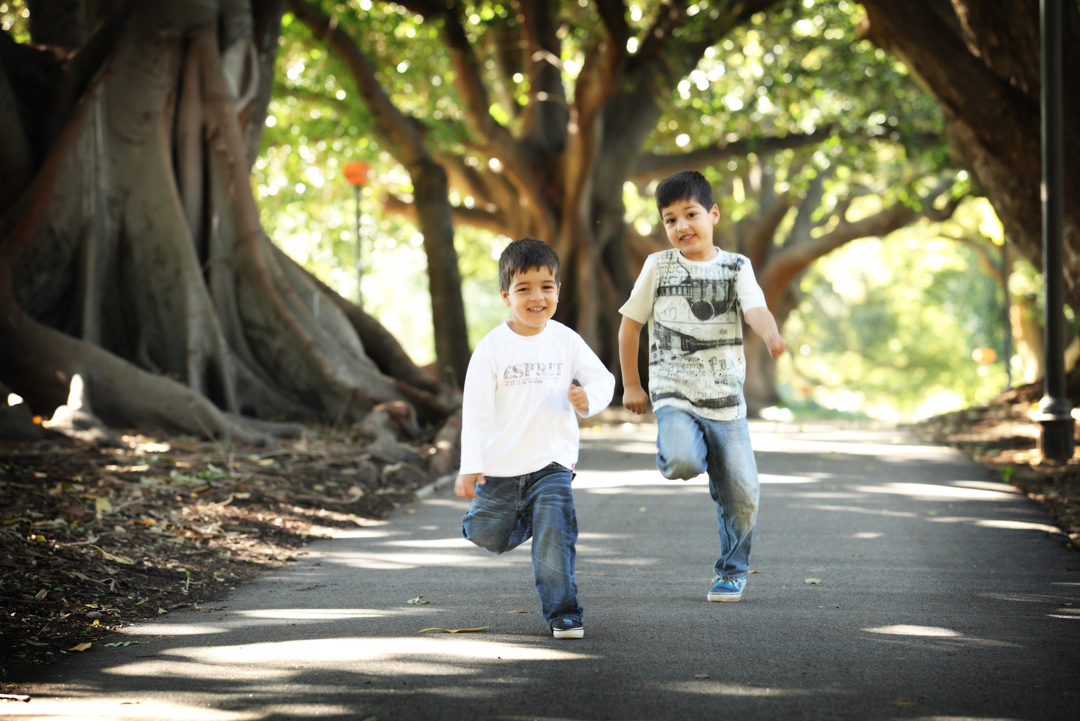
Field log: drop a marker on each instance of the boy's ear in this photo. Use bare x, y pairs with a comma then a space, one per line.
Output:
714, 213
505, 296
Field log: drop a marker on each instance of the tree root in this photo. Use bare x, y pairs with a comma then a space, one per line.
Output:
41, 364
75, 419
16, 420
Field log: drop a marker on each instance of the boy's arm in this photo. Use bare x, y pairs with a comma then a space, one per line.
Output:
477, 417
634, 396
639, 305
597, 383
761, 321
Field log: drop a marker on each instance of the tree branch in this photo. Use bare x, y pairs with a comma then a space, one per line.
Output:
492, 221
793, 258
757, 243
546, 112
394, 127
498, 141
656, 165
987, 263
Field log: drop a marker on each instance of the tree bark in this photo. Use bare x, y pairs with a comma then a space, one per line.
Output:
132, 263
980, 59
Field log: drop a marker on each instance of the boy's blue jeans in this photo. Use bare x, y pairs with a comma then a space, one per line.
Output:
507, 511
688, 445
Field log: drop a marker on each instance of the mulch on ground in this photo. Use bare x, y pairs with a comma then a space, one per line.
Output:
94, 539
1003, 437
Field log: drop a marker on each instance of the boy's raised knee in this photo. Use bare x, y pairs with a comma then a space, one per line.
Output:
680, 469
496, 543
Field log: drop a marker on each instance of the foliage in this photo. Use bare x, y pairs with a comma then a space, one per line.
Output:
890, 327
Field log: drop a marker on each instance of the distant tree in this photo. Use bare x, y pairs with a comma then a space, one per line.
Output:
136, 284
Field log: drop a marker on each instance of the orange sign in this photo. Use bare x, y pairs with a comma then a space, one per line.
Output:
356, 173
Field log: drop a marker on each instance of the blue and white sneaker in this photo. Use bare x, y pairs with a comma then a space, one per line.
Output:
567, 628
727, 590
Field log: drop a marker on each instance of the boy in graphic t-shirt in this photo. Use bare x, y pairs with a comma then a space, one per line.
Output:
694, 298
519, 435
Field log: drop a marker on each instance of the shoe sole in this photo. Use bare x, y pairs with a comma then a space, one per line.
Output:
725, 597
571, 633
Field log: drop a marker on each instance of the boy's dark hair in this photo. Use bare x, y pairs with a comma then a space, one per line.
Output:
524, 255
684, 185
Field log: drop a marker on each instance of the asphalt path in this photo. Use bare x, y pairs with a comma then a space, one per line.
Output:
941, 593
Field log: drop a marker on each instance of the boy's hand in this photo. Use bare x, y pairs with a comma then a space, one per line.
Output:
635, 400
775, 344
465, 485
579, 399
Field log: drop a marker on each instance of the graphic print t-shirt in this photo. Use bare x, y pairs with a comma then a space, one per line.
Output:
516, 416
694, 313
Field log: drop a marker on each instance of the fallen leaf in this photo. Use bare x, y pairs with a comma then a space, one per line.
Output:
115, 559
80, 648
701, 675
904, 702
454, 630
129, 703
40, 595
812, 581
125, 643
755, 571
102, 505
80, 576
521, 610
419, 601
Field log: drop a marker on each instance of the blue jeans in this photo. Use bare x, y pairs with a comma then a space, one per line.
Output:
508, 511
688, 445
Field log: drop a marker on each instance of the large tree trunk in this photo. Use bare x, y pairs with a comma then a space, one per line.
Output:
980, 59
132, 263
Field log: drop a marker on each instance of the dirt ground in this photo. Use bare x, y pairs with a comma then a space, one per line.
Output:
94, 539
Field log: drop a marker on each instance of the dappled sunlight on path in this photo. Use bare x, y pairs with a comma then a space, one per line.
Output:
883, 575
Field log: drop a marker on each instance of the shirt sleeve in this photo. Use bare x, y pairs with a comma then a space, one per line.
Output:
478, 409
594, 377
639, 307
746, 286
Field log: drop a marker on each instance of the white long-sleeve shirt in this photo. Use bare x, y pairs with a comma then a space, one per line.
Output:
516, 417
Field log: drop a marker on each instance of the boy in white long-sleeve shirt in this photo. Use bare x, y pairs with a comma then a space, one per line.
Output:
519, 436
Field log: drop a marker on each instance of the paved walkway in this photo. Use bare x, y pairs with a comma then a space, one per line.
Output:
943, 594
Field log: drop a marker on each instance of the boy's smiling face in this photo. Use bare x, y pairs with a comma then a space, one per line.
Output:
689, 227
533, 298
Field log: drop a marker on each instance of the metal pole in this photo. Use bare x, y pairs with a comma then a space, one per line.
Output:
1007, 350
1055, 410
359, 257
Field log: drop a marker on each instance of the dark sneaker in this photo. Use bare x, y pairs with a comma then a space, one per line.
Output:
727, 589
567, 628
